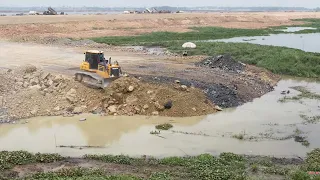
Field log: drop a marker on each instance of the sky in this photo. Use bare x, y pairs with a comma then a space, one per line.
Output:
149, 3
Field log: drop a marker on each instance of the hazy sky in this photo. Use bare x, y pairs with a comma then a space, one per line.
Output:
140, 3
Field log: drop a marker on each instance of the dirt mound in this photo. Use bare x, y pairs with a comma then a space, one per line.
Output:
223, 62
29, 92
218, 94
129, 96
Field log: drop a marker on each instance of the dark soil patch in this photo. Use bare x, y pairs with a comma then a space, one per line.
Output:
219, 94
223, 62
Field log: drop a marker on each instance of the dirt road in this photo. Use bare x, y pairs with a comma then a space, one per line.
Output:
84, 26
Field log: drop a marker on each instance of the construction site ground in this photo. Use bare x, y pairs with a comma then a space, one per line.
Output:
26, 28
39, 56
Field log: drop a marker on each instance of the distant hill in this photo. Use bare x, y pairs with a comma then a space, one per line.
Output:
168, 8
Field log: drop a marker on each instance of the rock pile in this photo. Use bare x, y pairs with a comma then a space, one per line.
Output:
223, 62
38, 93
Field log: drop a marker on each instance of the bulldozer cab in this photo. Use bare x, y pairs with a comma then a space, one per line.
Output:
94, 58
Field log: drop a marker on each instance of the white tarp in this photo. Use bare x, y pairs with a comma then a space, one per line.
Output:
189, 45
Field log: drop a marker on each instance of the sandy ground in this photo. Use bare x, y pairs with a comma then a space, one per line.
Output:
84, 26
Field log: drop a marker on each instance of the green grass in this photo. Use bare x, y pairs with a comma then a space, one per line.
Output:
10, 159
165, 126
279, 60
310, 119
227, 166
200, 33
304, 94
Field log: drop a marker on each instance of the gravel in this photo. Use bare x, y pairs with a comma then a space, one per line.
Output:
224, 62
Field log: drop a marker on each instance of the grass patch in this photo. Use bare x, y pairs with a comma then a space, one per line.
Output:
310, 119
81, 174
118, 159
304, 94
98, 28
165, 126
279, 60
227, 166
154, 132
10, 159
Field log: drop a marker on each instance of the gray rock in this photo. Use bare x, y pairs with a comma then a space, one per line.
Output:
82, 119
130, 88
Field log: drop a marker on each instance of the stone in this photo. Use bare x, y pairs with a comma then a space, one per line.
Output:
25, 84
158, 106
168, 105
131, 99
35, 87
30, 69
218, 108
82, 119
50, 82
155, 113
112, 109
57, 108
177, 81
71, 95
44, 75
130, 88
110, 102
194, 109
146, 106
57, 78
35, 110
42, 93
34, 81
137, 109
19, 80
1, 101
183, 87
149, 92
77, 110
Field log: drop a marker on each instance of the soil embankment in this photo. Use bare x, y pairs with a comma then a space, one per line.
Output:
28, 92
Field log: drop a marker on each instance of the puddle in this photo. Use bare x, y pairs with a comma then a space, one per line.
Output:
190, 136
305, 42
296, 29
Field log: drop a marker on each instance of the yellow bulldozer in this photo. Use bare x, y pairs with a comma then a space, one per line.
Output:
97, 71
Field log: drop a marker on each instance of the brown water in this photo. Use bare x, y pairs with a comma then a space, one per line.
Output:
209, 134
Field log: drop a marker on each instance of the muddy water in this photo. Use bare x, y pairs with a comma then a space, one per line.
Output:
305, 42
190, 136
296, 29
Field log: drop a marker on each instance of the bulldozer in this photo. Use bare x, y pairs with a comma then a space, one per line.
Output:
97, 71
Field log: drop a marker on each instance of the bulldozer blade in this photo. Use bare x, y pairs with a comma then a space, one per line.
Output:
106, 83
